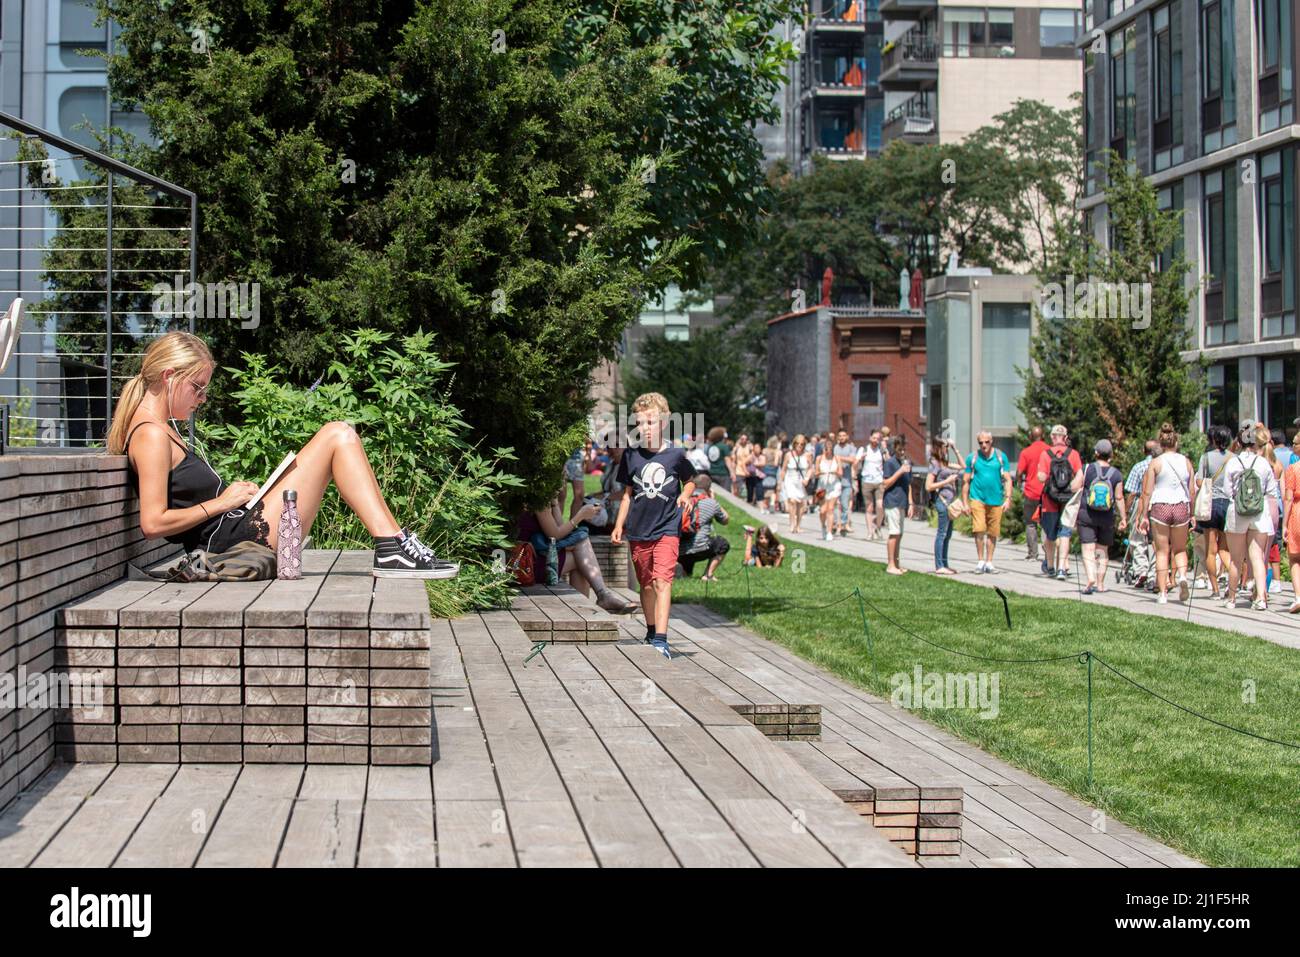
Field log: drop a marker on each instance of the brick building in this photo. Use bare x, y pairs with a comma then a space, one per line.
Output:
850, 367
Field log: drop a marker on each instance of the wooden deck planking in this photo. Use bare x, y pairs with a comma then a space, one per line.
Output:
620, 830
175, 827
105, 822
252, 824
325, 824
398, 830
39, 813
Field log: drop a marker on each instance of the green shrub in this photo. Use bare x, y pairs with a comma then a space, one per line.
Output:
433, 476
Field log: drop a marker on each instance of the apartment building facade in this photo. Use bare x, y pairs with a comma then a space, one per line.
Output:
947, 68
832, 104
1199, 95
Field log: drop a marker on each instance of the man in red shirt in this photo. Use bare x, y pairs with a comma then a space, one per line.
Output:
1056, 492
1032, 489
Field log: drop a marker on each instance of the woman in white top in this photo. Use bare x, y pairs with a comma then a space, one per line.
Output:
1249, 535
796, 469
828, 486
1168, 490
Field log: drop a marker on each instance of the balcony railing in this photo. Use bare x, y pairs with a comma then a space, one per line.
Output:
911, 118
842, 11
913, 108
912, 48
833, 74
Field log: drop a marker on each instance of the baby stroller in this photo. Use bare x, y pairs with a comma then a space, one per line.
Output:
1126, 571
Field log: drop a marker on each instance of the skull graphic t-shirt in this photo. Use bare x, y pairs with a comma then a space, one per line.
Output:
654, 480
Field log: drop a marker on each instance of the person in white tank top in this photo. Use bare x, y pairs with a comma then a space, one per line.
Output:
1249, 536
1167, 493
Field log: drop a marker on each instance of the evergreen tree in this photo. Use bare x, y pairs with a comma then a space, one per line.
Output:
1117, 373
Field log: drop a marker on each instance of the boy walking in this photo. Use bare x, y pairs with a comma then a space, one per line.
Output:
659, 479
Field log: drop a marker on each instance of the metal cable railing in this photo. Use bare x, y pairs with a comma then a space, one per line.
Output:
87, 241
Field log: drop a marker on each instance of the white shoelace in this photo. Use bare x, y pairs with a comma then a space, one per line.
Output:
417, 548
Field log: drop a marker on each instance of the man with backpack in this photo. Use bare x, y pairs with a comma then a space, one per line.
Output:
1103, 486
987, 492
1061, 471
698, 541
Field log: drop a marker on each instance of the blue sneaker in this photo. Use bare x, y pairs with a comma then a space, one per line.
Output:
662, 645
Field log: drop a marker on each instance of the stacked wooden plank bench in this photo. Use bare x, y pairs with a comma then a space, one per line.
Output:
69, 524
561, 613
330, 669
924, 820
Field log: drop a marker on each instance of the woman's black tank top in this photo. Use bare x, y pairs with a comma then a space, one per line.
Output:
190, 482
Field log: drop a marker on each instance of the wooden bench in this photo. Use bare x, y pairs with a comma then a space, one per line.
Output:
561, 613
331, 669
920, 819
69, 524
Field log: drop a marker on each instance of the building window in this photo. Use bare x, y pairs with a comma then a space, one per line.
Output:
1123, 85
972, 32
1220, 256
1280, 394
1277, 243
1004, 346
77, 33
1116, 7
869, 393
1225, 389
1058, 28
1276, 82
1171, 198
1167, 86
1218, 67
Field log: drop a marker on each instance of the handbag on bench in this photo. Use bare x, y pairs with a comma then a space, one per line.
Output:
242, 562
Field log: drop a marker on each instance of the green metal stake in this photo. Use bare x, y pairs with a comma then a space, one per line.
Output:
1088, 656
750, 591
537, 650
857, 590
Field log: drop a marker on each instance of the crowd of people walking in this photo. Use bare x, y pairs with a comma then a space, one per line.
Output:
1235, 505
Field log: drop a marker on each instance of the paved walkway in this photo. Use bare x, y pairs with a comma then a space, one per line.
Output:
1015, 574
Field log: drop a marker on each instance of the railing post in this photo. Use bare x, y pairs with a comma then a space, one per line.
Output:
108, 310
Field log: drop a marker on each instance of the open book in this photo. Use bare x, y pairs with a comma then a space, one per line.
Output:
275, 477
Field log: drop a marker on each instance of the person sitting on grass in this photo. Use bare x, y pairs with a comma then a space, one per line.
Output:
704, 545
541, 527
183, 500
762, 548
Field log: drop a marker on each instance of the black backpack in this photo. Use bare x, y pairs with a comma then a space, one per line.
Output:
1060, 475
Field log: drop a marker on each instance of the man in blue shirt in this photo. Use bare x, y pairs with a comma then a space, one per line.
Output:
987, 492
897, 486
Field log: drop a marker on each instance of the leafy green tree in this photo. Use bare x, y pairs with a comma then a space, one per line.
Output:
729, 69
708, 374
1003, 198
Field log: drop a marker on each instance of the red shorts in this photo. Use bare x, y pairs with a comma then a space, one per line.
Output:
655, 559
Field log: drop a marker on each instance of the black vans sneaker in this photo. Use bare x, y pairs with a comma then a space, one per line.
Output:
405, 556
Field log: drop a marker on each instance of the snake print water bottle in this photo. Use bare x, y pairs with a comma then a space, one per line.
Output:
289, 549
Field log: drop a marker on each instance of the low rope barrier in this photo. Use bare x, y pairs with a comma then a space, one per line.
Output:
1085, 657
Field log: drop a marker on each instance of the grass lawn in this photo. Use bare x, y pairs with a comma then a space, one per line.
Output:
1219, 796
